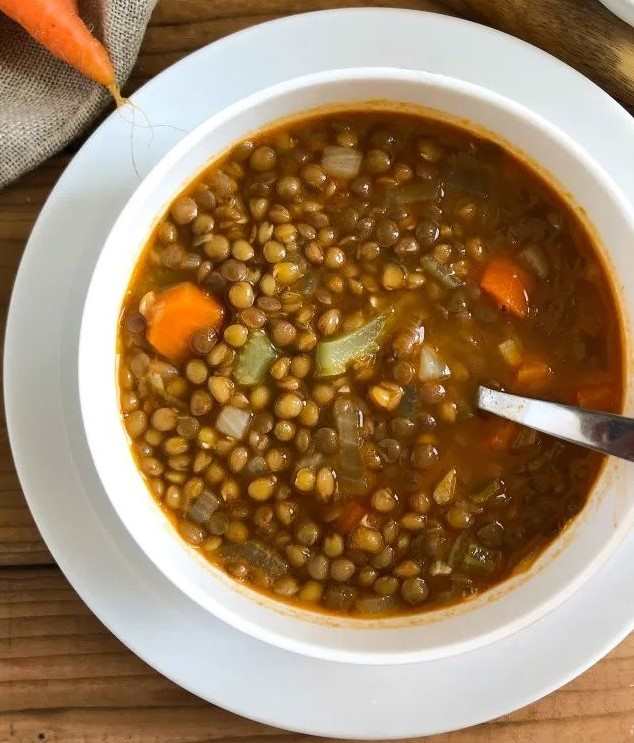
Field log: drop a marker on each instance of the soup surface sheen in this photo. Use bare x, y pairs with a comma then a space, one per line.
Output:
301, 344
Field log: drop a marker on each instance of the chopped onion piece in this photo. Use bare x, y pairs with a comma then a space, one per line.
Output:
511, 352
258, 555
446, 488
146, 304
430, 366
341, 162
233, 421
203, 508
438, 567
536, 260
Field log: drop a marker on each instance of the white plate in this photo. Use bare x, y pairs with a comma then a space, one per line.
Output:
91, 545
623, 8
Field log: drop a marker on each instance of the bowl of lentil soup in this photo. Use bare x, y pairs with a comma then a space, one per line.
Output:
277, 384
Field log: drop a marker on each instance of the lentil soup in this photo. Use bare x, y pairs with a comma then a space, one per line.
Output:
301, 344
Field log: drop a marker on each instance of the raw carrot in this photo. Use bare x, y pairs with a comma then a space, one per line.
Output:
351, 516
501, 436
56, 24
176, 314
508, 284
533, 375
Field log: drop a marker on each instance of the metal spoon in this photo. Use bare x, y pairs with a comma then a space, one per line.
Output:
604, 432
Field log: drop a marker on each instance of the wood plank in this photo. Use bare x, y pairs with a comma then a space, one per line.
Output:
62, 671
20, 203
195, 11
583, 33
206, 724
20, 541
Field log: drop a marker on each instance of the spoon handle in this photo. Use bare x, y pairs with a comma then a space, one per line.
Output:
604, 432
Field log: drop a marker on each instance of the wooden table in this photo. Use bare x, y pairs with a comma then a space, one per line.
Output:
63, 677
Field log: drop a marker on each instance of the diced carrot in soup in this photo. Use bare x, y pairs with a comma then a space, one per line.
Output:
177, 314
533, 375
508, 284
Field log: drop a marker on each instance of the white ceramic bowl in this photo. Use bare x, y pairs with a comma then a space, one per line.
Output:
505, 609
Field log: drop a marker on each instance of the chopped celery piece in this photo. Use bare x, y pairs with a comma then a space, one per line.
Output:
444, 274
491, 535
255, 358
478, 560
430, 365
472, 558
333, 357
486, 493
350, 468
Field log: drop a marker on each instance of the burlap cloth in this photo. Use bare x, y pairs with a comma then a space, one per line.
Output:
44, 103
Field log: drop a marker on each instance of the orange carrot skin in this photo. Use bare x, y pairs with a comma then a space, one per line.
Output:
508, 284
177, 314
56, 25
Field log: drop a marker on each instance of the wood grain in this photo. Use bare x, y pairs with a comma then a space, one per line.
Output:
66, 676
63, 677
581, 32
